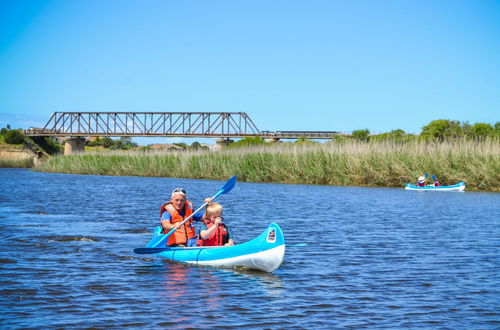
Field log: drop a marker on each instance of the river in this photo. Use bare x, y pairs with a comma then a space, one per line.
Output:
376, 257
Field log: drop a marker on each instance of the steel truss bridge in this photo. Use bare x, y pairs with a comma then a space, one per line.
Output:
163, 124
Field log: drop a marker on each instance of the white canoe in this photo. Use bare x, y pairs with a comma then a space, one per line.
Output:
265, 252
457, 187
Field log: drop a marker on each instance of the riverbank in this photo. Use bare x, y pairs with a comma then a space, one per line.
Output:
381, 164
16, 156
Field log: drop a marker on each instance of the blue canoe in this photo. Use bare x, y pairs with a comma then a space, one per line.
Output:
457, 187
265, 252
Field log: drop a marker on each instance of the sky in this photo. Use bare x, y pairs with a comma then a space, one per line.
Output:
290, 65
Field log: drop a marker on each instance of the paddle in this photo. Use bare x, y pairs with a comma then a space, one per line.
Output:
151, 250
160, 240
435, 180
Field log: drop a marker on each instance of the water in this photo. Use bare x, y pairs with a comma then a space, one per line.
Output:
376, 258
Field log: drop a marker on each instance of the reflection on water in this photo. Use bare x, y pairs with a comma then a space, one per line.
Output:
374, 257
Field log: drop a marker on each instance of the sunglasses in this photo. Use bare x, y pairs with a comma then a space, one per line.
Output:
179, 191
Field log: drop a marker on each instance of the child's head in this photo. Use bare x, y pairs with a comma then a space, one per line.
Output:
214, 210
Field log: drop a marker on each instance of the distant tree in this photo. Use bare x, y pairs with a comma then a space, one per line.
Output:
246, 142
303, 140
361, 135
496, 128
338, 138
442, 129
466, 129
183, 145
125, 142
97, 142
482, 130
398, 134
107, 142
14, 137
49, 145
196, 145
3, 131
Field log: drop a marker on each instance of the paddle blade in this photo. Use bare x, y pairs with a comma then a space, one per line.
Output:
227, 187
150, 250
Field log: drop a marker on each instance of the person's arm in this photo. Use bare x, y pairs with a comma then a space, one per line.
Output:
230, 241
200, 216
206, 233
166, 222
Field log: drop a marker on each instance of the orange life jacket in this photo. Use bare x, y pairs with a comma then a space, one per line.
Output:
219, 236
186, 231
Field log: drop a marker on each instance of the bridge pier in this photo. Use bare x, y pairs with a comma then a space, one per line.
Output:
74, 145
222, 143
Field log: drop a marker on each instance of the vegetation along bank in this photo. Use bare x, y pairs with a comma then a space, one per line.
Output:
451, 150
384, 163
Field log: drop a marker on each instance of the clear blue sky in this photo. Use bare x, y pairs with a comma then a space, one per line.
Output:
291, 65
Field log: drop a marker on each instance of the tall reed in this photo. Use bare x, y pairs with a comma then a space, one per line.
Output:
17, 163
348, 163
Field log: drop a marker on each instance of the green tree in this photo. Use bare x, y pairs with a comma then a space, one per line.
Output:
95, 143
107, 142
481, 130
3, 131
246, 142
48, 144
496, 128
196, 145
303, 140
361, 135
14, 137
442, 129
183, 145
125, 142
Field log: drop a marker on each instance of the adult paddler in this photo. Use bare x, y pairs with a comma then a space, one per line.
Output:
173, 213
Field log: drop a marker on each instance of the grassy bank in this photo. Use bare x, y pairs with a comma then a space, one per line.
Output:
349, 163
21, 163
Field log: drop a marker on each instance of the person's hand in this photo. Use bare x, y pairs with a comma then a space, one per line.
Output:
208, 200
217, 221
177, 225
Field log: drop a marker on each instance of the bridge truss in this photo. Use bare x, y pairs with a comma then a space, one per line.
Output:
162, 124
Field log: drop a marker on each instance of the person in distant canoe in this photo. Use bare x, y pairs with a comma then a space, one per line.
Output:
421, 181
214, 232
436, 182
173, 213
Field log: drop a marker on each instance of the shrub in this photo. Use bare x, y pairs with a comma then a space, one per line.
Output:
14, 137
361, 135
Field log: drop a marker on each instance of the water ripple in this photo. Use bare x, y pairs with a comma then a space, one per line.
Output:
372, 260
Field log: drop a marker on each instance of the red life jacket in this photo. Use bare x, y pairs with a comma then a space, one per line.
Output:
186, 231
219, 236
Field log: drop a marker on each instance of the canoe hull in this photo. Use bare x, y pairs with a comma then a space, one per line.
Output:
266, 253
457, 187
